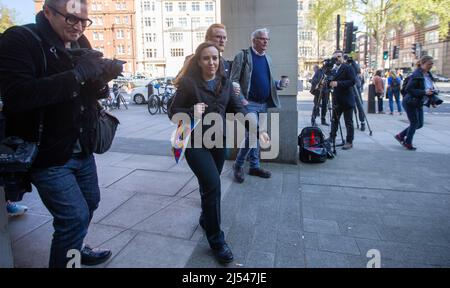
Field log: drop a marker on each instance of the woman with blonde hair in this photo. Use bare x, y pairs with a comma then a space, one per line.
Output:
419, 87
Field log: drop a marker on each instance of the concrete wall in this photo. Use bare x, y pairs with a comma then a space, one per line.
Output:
6, 257
242, 17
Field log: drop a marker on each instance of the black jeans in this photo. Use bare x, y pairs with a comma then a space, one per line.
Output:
380, 102
322, 105
207, 165
348, 118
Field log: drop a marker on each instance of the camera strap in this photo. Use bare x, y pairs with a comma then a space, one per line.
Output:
41, 112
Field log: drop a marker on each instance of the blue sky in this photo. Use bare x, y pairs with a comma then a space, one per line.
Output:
24, 9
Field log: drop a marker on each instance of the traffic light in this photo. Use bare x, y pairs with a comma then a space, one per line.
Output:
413, 48
395, 52
350, 37
385, 55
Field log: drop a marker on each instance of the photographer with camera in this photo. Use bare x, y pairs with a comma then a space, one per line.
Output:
342, 84
419, 91
321, 96
50, 96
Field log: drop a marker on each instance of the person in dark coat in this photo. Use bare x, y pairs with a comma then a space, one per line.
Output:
41, 82
343, 98
203, 89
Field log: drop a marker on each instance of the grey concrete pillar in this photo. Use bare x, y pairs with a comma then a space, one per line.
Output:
242, 17
6, 256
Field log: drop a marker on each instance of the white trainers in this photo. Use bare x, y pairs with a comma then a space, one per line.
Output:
15, 209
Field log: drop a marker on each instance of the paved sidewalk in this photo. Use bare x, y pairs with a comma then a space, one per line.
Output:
375, 196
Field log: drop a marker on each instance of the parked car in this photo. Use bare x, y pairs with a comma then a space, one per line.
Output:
440, 78
140, 94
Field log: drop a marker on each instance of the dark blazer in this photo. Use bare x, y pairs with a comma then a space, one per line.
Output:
415, 88
69, 109
343, 93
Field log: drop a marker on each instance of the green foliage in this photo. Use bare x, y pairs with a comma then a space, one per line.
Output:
323, 15
7, 18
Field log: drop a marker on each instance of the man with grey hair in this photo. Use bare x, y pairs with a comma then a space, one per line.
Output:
252, 69
51, 98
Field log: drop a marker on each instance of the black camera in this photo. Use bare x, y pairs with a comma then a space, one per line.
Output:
433, 100
328, 65
113, 67
16, 158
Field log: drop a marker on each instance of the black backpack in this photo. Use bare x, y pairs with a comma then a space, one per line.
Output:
312, 146
405, 83
395, 84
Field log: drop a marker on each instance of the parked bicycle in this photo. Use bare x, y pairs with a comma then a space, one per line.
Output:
115, 98
157, 103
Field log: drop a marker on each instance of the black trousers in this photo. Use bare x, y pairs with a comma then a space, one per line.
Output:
207, 165
322, 105
348, 118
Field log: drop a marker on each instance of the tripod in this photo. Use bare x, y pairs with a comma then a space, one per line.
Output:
358, 98
323, 83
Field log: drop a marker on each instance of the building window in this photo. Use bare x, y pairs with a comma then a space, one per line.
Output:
176, 37
200, 36
168, 6
195, 6
94, 7
149, 21
408, 41
433, 21
432, 37
120, 49
150, 53
125, 19
209, 21
434, 53
182, 22
100, 21
304, 51
169, 22
209, 6
150, 37
182, 6
304, 35
95, 35
177, 52
101, 49
117, 19
149, 6
120, 34
300, 5
195, 22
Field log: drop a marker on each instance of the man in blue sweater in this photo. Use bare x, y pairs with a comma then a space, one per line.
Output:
252, 69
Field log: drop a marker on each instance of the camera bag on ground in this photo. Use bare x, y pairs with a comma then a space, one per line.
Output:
312, 146
16, 155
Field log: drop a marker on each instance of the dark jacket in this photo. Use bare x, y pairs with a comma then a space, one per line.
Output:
192, 91
343, 93
69, 109
416, 87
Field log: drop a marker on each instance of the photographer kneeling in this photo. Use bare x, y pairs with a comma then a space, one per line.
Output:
51, 97
343, 98
419, 91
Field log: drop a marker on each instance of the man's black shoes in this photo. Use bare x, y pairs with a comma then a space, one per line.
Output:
90, 257
260, 172
363, 126
223, 253
238, 173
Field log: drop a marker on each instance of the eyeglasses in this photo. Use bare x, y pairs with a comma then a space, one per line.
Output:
72, 19
221, 37
263, 38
